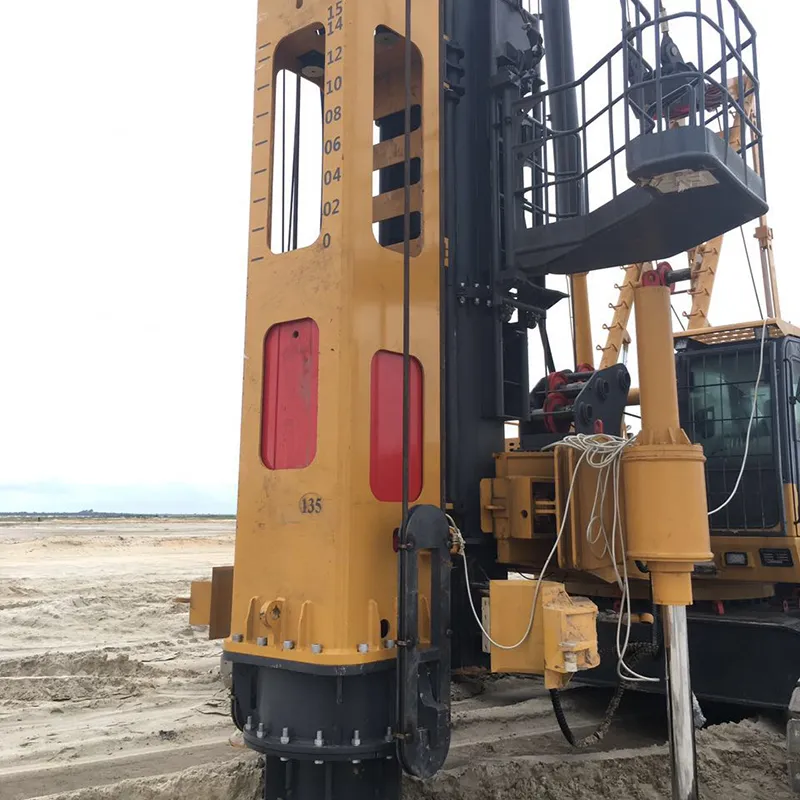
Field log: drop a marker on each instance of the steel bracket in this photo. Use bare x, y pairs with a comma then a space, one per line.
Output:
423, 670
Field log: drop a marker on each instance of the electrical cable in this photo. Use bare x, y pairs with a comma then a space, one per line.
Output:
639, 650
236, 715
677, 317
462, 551
747, 254
404, 597
407, 265
750, 423
604, 454
294, 197
752, 274
571, 317
283, 166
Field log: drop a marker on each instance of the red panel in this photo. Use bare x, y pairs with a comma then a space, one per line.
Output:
386, 428
291, 390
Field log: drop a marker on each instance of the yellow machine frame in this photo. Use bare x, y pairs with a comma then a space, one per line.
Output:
331, 574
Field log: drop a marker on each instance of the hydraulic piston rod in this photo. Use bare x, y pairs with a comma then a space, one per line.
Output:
669, 536
679, 693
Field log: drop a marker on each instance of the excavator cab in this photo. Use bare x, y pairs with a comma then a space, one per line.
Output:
742, 406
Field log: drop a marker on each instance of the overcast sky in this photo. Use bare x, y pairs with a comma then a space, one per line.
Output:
124, 182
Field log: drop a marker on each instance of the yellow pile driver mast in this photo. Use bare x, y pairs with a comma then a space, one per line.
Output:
394, 278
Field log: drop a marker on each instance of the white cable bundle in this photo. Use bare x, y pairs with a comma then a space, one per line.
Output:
462, 549
603, 453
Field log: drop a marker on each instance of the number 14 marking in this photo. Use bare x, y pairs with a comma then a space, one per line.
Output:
335, 21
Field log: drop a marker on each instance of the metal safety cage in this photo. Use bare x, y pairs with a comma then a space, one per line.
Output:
668, 123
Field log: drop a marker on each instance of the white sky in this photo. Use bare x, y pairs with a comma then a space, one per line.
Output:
125, 142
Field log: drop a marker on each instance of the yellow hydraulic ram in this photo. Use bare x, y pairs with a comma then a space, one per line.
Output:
666, 513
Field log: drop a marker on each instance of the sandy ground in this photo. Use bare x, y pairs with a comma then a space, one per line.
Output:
107, 692
101, 676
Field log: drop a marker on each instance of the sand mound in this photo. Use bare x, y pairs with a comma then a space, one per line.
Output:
233, 780
744, 761
20, 588
89, 663
60, 677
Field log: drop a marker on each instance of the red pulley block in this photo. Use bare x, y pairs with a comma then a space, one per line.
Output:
658, 276
555, 401
555, 380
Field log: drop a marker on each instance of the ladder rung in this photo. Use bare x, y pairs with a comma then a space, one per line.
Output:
391, 204
393, 151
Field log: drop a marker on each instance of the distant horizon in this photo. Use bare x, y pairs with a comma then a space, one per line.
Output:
135, 499
89, 514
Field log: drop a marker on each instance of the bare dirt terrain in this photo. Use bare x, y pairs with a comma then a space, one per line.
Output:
107, 692
101, 676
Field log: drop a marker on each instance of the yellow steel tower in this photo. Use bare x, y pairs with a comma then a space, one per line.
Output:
314, 610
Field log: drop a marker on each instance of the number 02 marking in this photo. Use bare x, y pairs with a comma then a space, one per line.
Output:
310, 504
